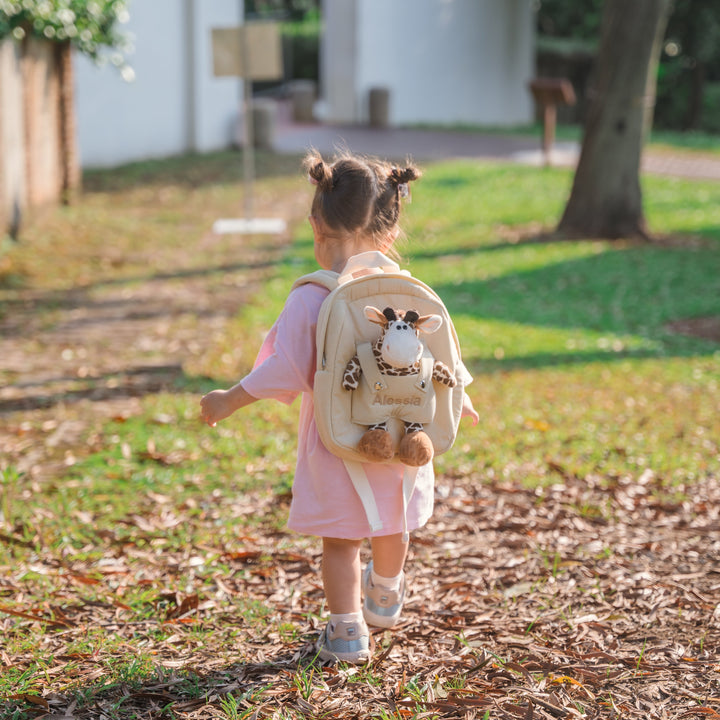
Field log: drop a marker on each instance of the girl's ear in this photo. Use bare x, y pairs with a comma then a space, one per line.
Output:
389, 240
429, 323
374, 315
316, 226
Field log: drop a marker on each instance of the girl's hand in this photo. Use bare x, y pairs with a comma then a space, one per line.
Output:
215, 406
219, 404
469, 411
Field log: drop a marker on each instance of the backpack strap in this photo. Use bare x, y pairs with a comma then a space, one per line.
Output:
370, 370
362, 487
427, 363
409, 477
373, 377
326, 278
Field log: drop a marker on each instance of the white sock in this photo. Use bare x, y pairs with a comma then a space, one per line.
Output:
392, 583
336, 618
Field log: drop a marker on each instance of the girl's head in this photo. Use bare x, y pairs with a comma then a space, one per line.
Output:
357, 200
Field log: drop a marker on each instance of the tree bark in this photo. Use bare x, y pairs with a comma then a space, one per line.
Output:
67, 137
606, 198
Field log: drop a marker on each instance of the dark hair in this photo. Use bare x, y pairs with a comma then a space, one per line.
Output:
355, 194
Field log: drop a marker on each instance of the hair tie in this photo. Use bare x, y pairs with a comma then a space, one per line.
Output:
397, 177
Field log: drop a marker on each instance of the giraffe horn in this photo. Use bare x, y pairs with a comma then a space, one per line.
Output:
389, 313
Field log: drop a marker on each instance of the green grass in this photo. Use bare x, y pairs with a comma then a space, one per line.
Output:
660, 140
577, 374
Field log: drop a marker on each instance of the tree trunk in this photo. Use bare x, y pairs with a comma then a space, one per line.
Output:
67, 137
606, 199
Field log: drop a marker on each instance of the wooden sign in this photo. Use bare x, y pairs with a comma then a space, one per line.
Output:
251, 51
549, 93
254, 52
553, 91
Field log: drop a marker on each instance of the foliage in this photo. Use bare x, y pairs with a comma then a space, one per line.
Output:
293, 10
691, 59
579, 19
691, 56
300, 26
89, 25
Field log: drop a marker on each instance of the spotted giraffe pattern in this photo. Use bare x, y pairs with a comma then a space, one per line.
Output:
387, 369
353, 371
351, 377
442, 374
410, 427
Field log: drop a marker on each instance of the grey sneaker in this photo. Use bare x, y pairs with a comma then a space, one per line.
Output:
381, 606
346, 641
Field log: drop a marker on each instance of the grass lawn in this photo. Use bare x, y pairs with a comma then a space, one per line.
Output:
571, 567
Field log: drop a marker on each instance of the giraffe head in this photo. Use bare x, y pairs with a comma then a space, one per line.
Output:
401, 346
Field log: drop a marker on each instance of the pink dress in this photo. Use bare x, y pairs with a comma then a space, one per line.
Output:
324, 501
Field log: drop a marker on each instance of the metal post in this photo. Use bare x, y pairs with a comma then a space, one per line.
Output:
248, 139
231, 64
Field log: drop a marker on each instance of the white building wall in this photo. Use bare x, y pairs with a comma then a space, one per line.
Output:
338, 61
12, 161
217, 101
444, 61
174, 105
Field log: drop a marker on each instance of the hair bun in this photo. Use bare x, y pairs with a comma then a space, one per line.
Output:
319, 172
405, 175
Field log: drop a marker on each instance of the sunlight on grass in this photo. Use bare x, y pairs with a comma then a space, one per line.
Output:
164, 528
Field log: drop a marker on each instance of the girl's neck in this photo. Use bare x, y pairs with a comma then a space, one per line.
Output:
332, 251
342, 252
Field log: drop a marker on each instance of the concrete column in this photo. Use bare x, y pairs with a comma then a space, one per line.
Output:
338, 60
13, 191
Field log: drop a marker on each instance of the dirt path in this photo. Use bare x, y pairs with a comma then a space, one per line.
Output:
77, 356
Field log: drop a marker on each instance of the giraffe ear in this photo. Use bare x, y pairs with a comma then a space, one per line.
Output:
374, 315
429, 323
411, 317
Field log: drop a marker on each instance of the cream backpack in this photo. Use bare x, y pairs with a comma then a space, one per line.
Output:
347, 336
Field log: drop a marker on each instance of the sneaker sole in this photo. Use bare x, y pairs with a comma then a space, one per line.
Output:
372, 618
355, 658
381, 621
352, 658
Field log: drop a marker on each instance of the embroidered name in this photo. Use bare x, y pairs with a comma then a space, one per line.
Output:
387, 400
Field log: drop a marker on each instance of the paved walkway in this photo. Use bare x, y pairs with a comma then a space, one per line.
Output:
437, 144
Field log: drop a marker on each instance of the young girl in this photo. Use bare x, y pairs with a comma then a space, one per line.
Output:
354, 219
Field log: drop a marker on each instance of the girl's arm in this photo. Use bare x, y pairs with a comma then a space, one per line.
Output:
219, 404
468, 410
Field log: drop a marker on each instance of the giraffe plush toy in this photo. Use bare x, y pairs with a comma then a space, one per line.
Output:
398, 376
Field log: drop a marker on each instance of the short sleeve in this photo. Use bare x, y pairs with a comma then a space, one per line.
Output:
285, 365
463, 375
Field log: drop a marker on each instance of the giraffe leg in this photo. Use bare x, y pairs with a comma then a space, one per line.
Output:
376, 444
415, 447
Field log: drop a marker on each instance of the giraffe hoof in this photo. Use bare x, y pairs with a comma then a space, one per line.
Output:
415, 449
377, 445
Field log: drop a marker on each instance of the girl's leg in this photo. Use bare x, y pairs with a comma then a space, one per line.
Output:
341, 575
384, 581
388, 553
346, 636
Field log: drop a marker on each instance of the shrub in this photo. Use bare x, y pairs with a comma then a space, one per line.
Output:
89, 25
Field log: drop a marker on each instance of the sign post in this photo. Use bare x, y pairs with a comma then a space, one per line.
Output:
253, 52
549, 93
